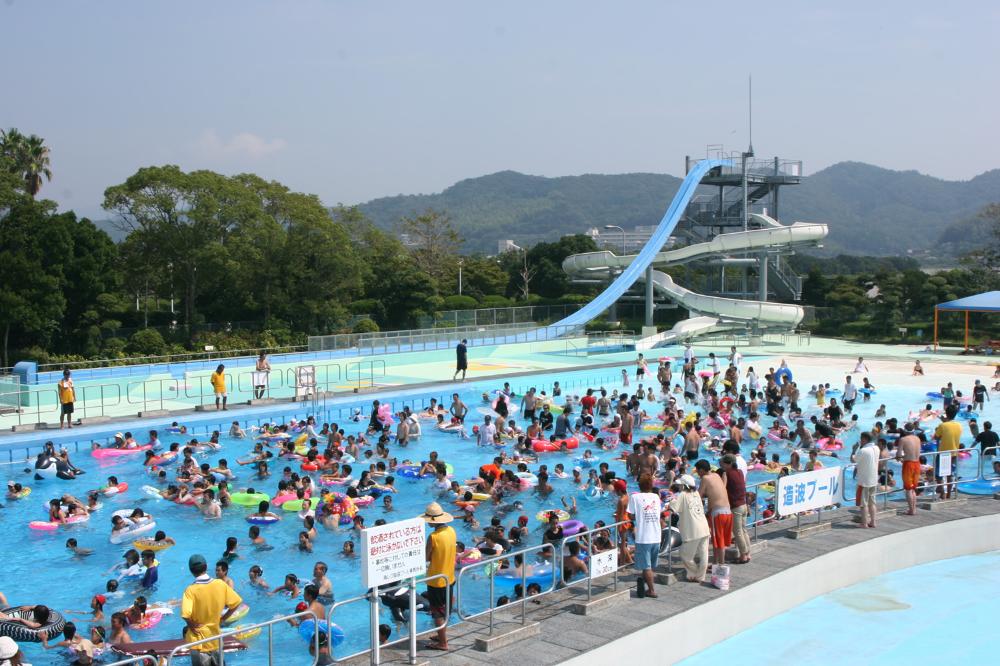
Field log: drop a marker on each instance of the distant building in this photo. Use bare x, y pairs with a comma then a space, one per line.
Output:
632, 241
506, 245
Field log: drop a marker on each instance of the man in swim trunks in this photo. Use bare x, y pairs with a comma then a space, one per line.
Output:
908, 451
720, 515
461, 359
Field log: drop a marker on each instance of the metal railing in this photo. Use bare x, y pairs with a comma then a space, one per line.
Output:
269, 624
497, 560
521, 314
372, 597
884, 490
240, 356
586, 542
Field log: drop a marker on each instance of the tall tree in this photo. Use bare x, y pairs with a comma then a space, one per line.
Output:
988, 256
434, 242
30, 158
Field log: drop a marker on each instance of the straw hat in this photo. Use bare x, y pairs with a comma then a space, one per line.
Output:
435, 515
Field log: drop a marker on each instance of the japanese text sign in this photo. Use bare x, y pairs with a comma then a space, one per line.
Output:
393, 552
808, 491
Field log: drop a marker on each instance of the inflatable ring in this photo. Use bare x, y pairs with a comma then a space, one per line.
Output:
466, 505
540, 574
248, 634
480, 497
114, 490
980, 487
151, 619
671, 538
334, 633
23, 634
543, 516
572, 527
249, 499
782, 372
21, 495
127, 534
527, 479
293, 505
149, 543
240, 613
935, 395
262, 520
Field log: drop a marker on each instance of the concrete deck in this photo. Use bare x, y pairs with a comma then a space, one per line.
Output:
565, 635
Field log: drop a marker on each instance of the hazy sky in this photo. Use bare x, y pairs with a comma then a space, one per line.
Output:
354, 100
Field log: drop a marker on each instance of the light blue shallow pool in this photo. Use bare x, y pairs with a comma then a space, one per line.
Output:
944, 612
36, 568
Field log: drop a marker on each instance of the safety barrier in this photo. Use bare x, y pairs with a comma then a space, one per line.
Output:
269, 624
372, 597
494, 563
884, 490
614, 533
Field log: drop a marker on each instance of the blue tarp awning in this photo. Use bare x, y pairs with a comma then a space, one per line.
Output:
986, 302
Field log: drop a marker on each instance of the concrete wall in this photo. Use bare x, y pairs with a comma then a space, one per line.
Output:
699, 628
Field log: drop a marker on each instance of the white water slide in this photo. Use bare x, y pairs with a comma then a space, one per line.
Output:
711, 313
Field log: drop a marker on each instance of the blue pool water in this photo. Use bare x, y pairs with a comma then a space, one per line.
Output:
943, 611
39, 570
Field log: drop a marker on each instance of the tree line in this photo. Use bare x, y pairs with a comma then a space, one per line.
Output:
204, 247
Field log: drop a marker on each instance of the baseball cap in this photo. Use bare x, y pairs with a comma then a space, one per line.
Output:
620, 485
522, 520
687, 480
196, 560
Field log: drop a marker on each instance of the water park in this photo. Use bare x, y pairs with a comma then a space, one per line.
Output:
293, 489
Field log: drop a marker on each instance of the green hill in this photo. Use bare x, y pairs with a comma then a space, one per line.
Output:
870, 210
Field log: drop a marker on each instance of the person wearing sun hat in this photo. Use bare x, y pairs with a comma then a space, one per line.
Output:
441, 549
10, 653
693, 525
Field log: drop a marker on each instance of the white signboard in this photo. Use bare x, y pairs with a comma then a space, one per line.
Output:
808, 491
305, 381
602, 564
393, 552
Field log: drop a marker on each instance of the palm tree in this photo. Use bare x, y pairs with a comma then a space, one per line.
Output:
30, 157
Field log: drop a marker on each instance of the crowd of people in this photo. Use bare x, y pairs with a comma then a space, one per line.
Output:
671, 456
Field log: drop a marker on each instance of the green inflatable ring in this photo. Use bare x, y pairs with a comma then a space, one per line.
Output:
250, 499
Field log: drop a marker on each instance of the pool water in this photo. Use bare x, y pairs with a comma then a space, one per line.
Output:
40, 570
941, 611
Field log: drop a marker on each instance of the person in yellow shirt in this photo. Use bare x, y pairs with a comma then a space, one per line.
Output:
947, 435
218, 382
67, 396
207, 603
441, 547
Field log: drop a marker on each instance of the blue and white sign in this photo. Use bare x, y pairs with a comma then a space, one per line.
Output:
808, 491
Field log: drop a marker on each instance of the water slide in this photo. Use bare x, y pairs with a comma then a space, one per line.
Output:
709, 313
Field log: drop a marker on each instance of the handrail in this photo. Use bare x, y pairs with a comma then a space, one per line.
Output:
524, 583
270, 637
372, 597
883, 467
231, 354
614, 529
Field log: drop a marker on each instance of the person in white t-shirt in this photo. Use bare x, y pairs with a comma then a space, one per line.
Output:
487, 432
645, 512
735, 358
866, 475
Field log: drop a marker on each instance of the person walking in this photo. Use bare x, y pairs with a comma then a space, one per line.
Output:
67, 398
645, 512
260, 377
206, 604
461, 359
693, 526
441, 548
866, 460
218, 382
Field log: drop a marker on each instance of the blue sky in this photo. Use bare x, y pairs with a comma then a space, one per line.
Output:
354, 100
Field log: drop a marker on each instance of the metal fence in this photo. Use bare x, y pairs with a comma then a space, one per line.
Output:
524, 314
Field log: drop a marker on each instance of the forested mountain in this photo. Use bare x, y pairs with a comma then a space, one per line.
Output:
870, 210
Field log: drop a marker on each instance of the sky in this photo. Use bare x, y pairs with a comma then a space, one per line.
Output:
356, 100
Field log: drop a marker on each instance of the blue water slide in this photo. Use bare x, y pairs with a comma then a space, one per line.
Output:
645, 257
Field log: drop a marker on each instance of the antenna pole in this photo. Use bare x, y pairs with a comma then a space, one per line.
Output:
750, 109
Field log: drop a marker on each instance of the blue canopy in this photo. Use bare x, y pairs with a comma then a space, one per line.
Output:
986, 302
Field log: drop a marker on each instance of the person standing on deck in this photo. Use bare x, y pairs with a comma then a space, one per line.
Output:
441, 548
461, 359
218, 382
67, 396
261, 375
720, 515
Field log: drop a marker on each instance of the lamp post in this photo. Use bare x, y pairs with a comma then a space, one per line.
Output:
460, 261
613, 310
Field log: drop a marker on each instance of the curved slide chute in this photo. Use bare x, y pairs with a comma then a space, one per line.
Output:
634, 271
709, 313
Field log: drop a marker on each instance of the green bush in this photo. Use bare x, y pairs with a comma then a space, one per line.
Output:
493, 301
365, 326
460, 302
114, 348
147, 342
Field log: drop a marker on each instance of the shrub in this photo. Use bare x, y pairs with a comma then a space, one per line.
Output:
147, 342
459, 302
365, 326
